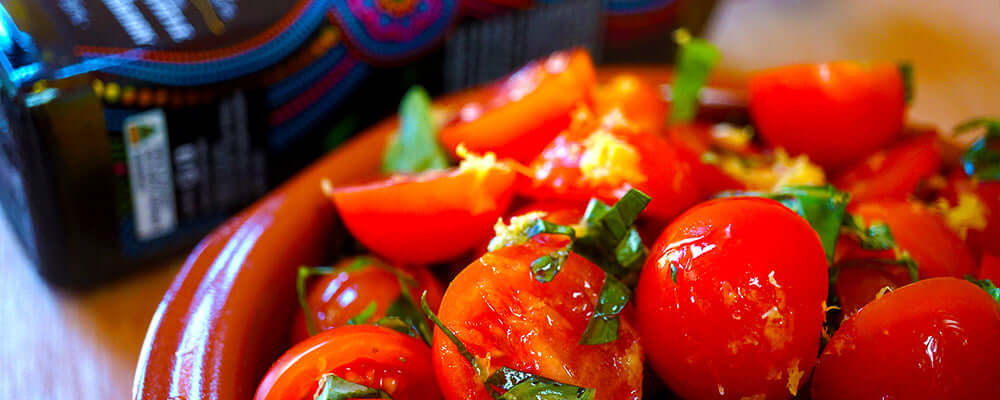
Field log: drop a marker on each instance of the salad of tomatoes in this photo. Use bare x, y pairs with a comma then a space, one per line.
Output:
568, 235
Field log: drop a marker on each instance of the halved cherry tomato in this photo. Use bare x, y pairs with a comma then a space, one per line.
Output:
989, 268
507, 318
524, 112
834, 112
355, 284
860, 283
637, 100
744, 315
691, 141
934, 339
987, 239
894, 172
920, 231
373, 356
606, 158
428, 217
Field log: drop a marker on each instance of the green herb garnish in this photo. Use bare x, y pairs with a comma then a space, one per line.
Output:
414, 148
610, 241
876, 236
695, 59
603, 325
982, 159
906, 73
364, 315
333, 387
986, 285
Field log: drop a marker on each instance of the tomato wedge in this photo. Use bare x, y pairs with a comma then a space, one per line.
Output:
429, 217
507, 318
730, 301
894, 172
522, 114
608, 157
354, 285
934, 339
637, 100
834, 112
983, 237
376, 357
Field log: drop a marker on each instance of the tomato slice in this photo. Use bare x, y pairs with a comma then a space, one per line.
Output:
376, 357
429, 217
525, 111
356, 283
637, 100
934, 339
920, 231
507, 318
606, 158
894, 172
744, 315
834, 112
983, 235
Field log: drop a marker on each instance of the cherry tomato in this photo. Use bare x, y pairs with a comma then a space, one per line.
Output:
980, 240
860, 283
376, 357
920, 231
506, 317
522, 114
934, 339
834, 112
637, 100
355, 284
989, 268
607, 157
744, 316
894, 172
691, 141
428, 217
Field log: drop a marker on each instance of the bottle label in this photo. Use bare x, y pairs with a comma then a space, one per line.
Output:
151, 180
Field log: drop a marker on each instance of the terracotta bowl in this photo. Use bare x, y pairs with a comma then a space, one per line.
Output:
226, 316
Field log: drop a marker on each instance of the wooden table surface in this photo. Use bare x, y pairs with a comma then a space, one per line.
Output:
84, 346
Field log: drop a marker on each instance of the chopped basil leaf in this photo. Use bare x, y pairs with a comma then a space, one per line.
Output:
542, 226
877, 236
546, 267
906, 73
603, 325
520, 385
414, 148
333, 387
673, 273
903, 258
982, 159
695, 59
464, 351
364, 315
405, 310
610, 241
986, 285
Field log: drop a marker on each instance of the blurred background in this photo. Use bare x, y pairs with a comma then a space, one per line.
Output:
75, 299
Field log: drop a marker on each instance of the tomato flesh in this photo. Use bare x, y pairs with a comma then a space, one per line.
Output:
373, 356
983, 240
506, 317
894, 172
933, 339
744, 317
637, 100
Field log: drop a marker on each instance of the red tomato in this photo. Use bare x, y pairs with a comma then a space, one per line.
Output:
372, 356
505, 316
989, 268
920, 231
637, 100
745, 315
835, 112
934, 339
356, 283
607, 158
524, 112
859, 284
691, 141
428, 217
979, 240
894, 172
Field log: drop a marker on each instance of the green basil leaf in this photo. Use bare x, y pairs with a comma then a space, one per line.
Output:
414, 148
906, 73
982, 159
876, 236
695, 60
333, 387
464, 351
610, 241
546, 267
542, 226
603, 325
519, 385
364, 315
405, 310
986, 285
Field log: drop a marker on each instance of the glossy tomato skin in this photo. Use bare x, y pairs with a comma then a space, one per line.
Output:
639, 101
834, 112
920, 231
373, 356
859, 284
744, 317
524, 112
502, 314
607, 157
933, 339
894, 172
426, 218
338, 297
980, 240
